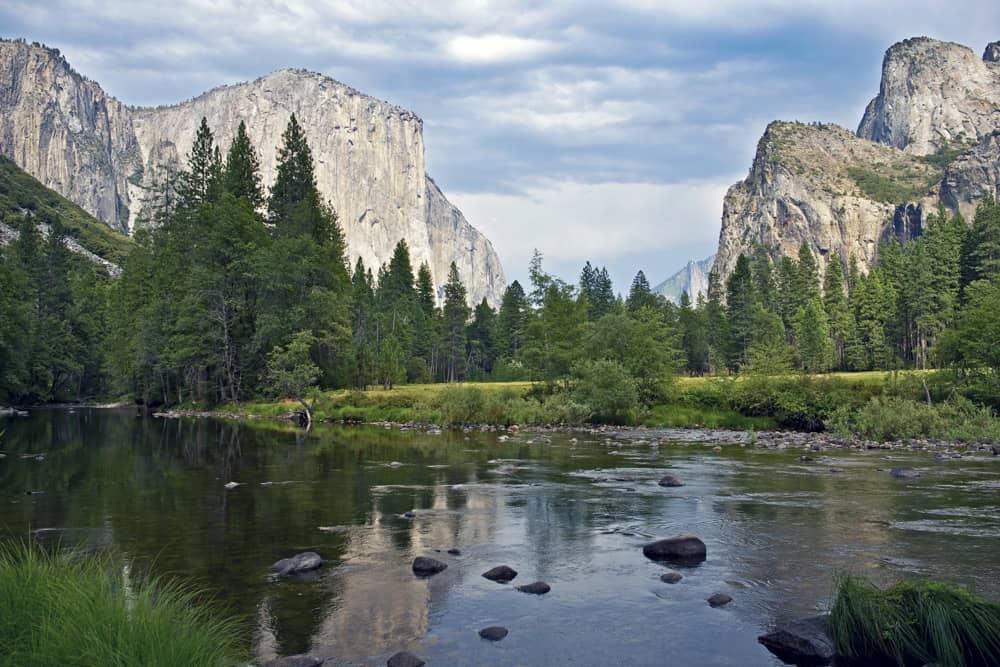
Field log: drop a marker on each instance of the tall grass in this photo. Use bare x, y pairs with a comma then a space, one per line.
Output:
914, 622
72, 610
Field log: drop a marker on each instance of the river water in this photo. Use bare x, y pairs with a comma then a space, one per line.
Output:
574, 513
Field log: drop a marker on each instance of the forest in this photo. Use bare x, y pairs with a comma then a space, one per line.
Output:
231, 292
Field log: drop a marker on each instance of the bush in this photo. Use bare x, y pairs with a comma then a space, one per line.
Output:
895, 418
607, 390
914, 623
81, 611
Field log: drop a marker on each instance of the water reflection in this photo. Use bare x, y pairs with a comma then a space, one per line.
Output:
573, 514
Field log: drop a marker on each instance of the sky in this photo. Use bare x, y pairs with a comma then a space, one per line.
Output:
602, 131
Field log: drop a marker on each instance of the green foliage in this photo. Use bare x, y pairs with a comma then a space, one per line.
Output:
290, 368
78, 610
606, 390
914, 623
19, 192
898, 187
897, 418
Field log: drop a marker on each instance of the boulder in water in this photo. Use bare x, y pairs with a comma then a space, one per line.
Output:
904, 473
687, 548
427, 567
307, 561
671, 577
671, 481
801, 642
404, 659
536, 588
719, 599
501, 574
494, 633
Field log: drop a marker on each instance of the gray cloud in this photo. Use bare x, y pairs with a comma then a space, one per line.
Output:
537, 115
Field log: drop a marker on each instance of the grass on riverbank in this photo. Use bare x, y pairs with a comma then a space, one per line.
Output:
77, 610
914, 623
871, 405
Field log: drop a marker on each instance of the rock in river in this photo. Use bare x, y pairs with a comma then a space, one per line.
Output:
404, 659
501, 574
494, 633
719, 599
688, 548
307, 561
801, 642
536, 588
671, 481
426, 567
294, 661
904, 473
671, 577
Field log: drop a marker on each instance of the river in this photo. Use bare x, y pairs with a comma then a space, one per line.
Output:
573, 510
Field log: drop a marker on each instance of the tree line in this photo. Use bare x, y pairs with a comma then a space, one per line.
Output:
233, 292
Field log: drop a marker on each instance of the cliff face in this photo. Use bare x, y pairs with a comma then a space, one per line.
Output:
369, 155
933, 95
929, 138
65, 131
693, 279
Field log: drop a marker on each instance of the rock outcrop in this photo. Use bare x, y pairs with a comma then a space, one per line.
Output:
929, 138
933, 95
369, 155
693, 279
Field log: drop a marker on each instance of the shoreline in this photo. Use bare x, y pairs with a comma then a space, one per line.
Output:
661, 435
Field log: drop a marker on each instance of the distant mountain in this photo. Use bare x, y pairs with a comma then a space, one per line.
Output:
693, 279
21, 193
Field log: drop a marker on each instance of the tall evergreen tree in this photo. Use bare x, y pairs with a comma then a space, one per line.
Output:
511, 321
456, 314
201, 181
640, 295
241, 174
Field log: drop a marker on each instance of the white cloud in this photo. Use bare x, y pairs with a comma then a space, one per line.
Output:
604, 222
495, 48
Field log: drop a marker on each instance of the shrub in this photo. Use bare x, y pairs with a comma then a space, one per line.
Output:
608, 391
896, 418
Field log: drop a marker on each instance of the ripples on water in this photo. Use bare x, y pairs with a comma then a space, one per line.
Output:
574, 514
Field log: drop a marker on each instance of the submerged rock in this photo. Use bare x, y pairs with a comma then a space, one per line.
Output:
454, 552
671, 481
494, 633
426, 567
801, 642
687, 548
307, 561
536, 588
904, 473
294, 661
671, 577
719, 599
404, 659
501, 574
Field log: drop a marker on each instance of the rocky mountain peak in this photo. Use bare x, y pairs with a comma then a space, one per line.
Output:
933, 96
105, 156
992, 52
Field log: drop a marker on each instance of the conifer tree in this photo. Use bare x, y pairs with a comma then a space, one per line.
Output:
640, 295
200, 182
241, 174
456, 314
511, 321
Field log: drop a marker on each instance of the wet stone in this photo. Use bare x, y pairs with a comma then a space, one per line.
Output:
719, 599
404, 659
536, 588
671, 577
501, 574
426, 567
494, 633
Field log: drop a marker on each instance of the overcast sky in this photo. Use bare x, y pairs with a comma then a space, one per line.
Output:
606, 131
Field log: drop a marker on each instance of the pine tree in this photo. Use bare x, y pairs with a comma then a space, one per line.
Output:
602, 298
511, 321
838, 313
694, 337
294, 206
241, 175
740, 303
200, 183
812, 337
456, 314
980, 254
640, 295
482, 339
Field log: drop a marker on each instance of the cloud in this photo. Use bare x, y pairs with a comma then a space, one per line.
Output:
607, 223
495, 48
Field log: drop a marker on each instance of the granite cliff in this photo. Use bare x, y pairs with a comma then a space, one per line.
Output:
931, 137
693, 279
68, 133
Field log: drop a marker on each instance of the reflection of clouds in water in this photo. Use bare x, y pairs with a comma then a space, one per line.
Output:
378, 605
